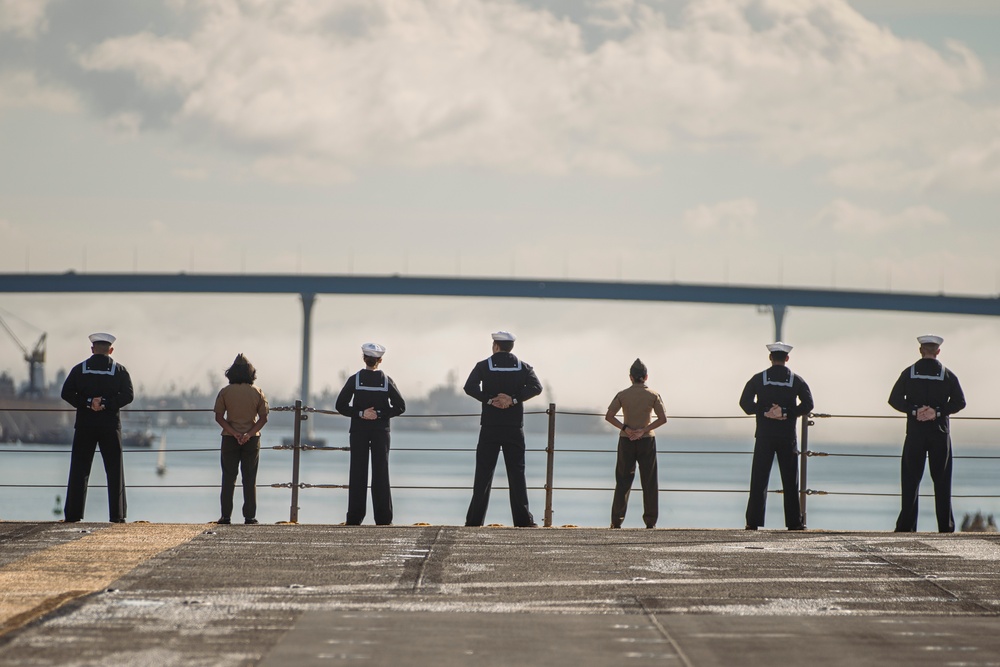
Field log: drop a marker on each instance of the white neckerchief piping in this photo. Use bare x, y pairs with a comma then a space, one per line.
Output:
791, 380
114, 367
360, 387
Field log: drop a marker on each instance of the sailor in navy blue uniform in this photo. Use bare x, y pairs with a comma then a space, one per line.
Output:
370, 398
927, 393
501, 383
98, 388
778, 397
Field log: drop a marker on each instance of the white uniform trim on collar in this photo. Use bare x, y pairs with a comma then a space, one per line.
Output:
360, 387
114, 367
502, 369
919, 376
791, 380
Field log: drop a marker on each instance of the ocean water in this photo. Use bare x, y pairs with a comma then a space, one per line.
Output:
704, 487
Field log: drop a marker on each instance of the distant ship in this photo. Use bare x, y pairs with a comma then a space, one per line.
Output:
36, 415
33, 420
44, 420
139, 439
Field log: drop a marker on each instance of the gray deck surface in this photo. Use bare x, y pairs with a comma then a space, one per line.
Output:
322, 595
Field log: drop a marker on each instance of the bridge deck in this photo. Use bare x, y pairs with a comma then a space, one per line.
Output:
499, 287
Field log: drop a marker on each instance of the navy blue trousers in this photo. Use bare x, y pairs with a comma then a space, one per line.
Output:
373, 443
764, 452
86, 440
493, 440
935, 448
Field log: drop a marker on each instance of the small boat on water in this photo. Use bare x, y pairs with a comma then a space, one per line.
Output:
139, 439
161, 457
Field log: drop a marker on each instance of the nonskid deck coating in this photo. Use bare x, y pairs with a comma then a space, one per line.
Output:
238, 594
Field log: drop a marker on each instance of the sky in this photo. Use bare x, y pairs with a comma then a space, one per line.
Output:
820, 143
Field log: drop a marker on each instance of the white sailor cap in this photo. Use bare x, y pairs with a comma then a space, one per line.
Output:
503, 335
102, 338
930, 339
778, 346
372, 350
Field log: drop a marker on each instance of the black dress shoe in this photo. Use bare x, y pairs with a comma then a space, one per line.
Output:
528, 525
749, 527
799, 527
224, 521
117, 520
251, 522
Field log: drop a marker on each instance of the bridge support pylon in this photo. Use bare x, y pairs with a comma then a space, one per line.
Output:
778, 311
308, 299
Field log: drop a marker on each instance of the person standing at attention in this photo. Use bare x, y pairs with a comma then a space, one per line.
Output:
370, 398
778, 397
927, 393
501, 383
98, 388
241, 410
636, 443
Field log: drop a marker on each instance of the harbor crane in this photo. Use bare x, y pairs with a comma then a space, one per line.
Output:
35, 358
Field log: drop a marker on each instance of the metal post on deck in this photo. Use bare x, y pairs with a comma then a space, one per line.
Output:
293, 512
804, 466
550, 455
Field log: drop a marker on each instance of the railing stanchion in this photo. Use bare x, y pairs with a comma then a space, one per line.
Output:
293, 512
550, 456
804, 465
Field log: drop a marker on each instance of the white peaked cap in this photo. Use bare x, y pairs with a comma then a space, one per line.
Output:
503, 335
102, 338
373, 350
931, 339
779, 347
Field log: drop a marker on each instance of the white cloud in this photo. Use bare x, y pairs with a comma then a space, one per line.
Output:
24, 18
736, 216
846, 218
298, 169
972, 166
22, 90
612, 14
126, 124
341, 85
160, 64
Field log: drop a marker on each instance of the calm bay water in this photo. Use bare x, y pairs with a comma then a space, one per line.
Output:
681, 506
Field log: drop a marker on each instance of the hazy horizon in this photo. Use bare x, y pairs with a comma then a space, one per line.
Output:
818, 143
